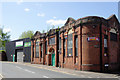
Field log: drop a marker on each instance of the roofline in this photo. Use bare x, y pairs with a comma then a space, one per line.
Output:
19, 40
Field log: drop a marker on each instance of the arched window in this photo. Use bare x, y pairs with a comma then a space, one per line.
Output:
45, 47
41, 50
51, 41
60, 44
37, 49
64, 43
70, 45
76, 45
33, 51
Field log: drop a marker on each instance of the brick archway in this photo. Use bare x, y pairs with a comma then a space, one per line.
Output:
51, 50
51, 56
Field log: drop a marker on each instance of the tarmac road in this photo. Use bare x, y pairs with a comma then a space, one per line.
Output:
12, 70
27, 70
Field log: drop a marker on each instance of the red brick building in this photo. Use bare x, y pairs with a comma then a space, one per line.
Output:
89, 43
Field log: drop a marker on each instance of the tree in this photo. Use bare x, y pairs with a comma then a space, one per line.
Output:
53, 27
43, 31
26, 34
4, 37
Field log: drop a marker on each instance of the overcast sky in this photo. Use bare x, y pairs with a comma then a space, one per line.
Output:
18, 17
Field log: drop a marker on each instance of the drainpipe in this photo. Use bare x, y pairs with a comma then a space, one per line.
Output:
31, 51
101, 69
43, 50
81, 45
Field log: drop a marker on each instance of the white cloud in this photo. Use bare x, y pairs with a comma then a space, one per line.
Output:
26, 9
41, 14
6, 30
14, 39
54, 17
56, 22
19, 2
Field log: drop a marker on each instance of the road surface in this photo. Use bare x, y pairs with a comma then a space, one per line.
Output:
12, 70
21, 70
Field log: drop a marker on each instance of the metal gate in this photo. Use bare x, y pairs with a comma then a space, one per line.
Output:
20, 55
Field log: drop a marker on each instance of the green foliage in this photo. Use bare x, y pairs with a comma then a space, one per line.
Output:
58, 27
26, 34
57, 30
81, 22
43, 31
4, 37
2, 50
53, 27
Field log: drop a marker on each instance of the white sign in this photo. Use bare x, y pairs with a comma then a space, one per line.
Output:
105, 42
20, 43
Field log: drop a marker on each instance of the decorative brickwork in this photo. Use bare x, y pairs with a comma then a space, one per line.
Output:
95, 49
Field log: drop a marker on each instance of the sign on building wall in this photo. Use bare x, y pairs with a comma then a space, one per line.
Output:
27, 44
19, 43
105, 42
93, 39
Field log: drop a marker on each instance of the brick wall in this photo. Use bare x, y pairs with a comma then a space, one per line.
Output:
90, 55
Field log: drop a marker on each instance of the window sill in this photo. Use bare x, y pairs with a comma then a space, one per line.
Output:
69, 56
36, 57
52, 44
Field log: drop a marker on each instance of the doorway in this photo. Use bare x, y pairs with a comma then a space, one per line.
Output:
52, 57
19, 55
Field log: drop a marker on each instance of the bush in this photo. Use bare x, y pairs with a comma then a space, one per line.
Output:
2, 50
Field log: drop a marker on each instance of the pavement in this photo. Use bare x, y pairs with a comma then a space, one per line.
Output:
28, 70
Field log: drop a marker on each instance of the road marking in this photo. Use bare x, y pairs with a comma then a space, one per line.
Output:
48, 77
46, 68
82, 75
45, 77
27, 64
89, 77
18, 67
29, 71
25, 69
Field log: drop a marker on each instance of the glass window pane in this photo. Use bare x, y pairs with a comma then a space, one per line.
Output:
52, 40
64, 47
46, 47
70, 45
60, 44
41, 50
37, 49
76, 45
113, 37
